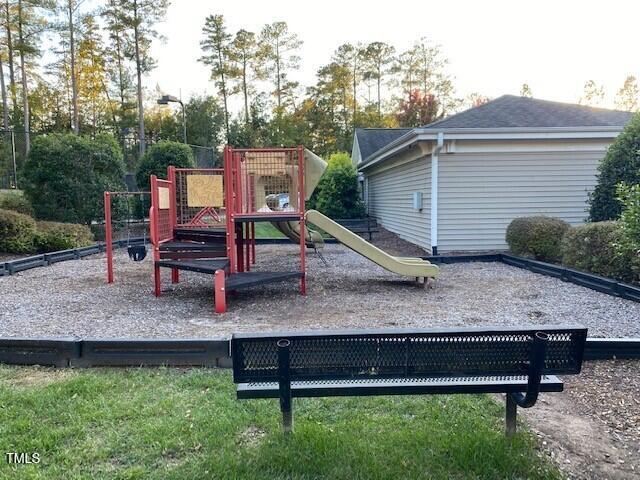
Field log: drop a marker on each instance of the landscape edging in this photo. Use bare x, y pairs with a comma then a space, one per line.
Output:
589, 280
214, 352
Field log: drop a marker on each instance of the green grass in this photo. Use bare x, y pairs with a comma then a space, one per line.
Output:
267, 230
187, 424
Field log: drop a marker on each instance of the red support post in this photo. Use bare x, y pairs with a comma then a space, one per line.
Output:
173, 214
247, 246
220, 296
229, 207
253, 242
239, 247
108, 236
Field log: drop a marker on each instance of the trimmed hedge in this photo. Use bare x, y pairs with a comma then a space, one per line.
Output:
54, 236
17, 232
593, 247
537, 237
16, 201
20, 233
66, 175
160, 156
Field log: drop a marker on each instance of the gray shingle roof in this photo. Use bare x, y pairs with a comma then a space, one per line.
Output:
522, 112
371, 140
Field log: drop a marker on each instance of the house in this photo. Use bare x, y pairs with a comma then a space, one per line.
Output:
455, 184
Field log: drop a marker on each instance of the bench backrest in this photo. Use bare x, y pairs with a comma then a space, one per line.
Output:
357, 222
402, 353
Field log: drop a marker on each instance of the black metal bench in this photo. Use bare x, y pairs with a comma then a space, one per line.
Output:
361, 226
520, 362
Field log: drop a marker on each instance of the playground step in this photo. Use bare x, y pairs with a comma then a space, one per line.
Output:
187, 233
191, 247
237, 281
201, 266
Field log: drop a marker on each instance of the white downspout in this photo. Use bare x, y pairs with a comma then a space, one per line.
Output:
434, 193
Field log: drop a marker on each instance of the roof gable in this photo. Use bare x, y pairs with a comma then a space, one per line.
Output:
510, 111
370, 140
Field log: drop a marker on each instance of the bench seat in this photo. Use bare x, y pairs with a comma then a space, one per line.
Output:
398, 386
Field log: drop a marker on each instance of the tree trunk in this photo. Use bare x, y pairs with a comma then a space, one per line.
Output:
12, 76
245, 89
278, 92
379, 80
223, 86
136, 39
74, 83
5, 108
25, 89
121, 89
355, 90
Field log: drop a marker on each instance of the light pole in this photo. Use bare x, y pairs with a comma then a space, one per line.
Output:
166, 100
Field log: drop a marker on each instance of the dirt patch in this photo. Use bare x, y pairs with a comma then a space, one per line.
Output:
592, 429
36, 377
251, 437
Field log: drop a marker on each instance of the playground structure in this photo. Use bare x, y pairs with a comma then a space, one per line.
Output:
203, 220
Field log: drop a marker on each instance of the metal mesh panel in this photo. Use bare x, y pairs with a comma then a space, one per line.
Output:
397, 354
267, 181
202, 215
165, 230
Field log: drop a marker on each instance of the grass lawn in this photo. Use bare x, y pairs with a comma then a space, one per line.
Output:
187, 424
267, 230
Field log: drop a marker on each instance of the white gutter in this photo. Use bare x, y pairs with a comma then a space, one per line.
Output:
434, 193
422, 134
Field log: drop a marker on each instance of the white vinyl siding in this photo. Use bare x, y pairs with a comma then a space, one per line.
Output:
390, 200
480, 193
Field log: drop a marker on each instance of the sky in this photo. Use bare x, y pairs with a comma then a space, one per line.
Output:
493, 46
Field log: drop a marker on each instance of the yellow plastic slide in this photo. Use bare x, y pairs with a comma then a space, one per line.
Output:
408, 266
292, 230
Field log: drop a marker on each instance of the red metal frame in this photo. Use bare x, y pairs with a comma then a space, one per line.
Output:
108, 228
241, 241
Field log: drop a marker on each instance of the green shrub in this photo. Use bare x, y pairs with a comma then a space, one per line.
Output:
337, 193
593, 247
17, 232
621, 164
16, 201
629, 246
537, 237
159, 156
54, 236
66, 176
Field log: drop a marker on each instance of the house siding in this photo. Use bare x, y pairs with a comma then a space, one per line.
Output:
390, 199
480, 193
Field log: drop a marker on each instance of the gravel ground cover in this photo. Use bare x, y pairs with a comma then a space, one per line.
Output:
71, 299
591, 431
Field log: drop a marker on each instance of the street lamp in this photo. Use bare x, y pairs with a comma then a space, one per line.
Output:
166, 100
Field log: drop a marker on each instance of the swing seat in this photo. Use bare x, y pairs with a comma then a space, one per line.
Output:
137, 253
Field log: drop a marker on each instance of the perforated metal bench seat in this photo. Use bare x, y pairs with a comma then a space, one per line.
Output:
520, 362
398, 386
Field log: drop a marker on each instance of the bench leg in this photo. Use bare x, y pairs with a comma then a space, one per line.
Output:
284, 381
511, 415
287, 420
175, 275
